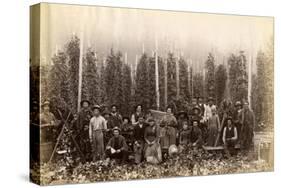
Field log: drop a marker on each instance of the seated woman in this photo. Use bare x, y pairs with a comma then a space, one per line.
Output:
229, 137
196, 134
152, 150
117, 147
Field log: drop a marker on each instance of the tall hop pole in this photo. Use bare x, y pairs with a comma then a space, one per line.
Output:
177, 78
157, 76
80, 71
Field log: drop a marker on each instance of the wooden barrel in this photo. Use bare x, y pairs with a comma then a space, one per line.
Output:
46, 150
44, 142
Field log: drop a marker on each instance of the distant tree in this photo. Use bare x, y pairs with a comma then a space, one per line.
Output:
59, 85
126, 89
220, 83
262, 92
161, 82
171, 76
198, 85
113, 78
210, 76
73, 53
269, 92
102, 85
90, 84
238, 80
183, 74
151, 90
142, 77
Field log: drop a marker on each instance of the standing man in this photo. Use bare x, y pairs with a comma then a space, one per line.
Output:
201, 104
237, 116
96, 128
115, 117
83, 119
139, 142
208, 109
247, 127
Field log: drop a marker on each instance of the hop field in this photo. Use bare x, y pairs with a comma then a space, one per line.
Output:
192, 163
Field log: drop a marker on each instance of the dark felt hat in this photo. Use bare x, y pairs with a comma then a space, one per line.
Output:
182, 113
85, 100
116, 128
125, 117
196, 108
210, 99
229, 118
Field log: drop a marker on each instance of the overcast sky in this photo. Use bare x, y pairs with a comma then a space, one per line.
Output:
128, 30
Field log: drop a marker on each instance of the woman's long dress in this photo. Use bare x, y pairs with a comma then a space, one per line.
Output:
152, 152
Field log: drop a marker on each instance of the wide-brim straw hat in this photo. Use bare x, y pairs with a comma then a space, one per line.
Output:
96, 107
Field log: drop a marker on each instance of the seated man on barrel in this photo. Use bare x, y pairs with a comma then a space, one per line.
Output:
229, 137
117, 147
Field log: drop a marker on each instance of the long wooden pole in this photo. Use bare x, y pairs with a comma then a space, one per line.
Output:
80, 71
157, 76
165, 82
177, 78
249, 80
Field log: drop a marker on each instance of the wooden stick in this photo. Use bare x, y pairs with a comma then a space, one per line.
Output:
60, 135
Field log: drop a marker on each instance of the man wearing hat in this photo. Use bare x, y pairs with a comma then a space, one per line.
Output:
182, 117
237, 116
229, 137
115, 119
208, 108
83, 119
47, 117
138, 135
201, 104
196, 134
117, 147
96, 128
191, 106
247, 127
108, 133
47, 123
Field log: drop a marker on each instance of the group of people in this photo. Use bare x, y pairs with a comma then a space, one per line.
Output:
105, 134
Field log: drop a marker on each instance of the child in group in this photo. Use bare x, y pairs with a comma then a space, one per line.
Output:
184, 136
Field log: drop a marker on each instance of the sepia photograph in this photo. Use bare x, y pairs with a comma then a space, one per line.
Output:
132, 94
